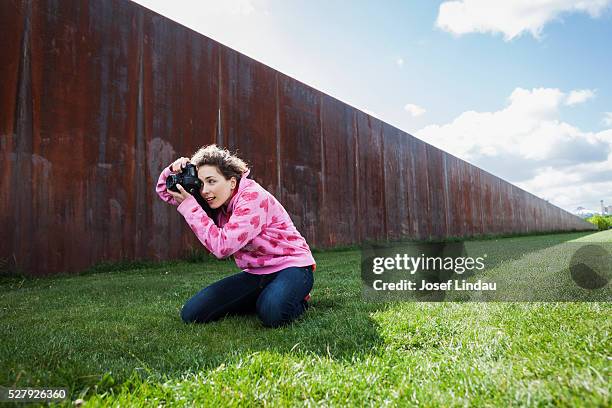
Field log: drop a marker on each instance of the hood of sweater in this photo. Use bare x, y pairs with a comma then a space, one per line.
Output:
244, 183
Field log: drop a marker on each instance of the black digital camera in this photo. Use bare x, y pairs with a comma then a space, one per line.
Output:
188, 178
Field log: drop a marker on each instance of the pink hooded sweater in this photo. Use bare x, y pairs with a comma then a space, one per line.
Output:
255, 228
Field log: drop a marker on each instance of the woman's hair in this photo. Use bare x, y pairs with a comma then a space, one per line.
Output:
228, 164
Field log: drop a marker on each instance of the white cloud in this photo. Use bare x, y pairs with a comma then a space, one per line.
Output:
579, 96
511, 18
527, 144
414, 110
400, 62
607, 120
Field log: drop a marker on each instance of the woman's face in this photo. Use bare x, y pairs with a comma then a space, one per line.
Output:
217, 191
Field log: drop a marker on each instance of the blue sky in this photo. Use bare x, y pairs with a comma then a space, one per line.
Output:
520, 88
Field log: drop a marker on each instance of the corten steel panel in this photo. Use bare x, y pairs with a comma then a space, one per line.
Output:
524, 211
395, 179
14, 16
420, 198
543, 214
487, 202
339, 212
512, 210
527, 213
249, 115
474, 218
478, 201
551, 217
487, 196
532, 221
454, 211
437, 190
457, 194
533, 214
300, 154
514, 217
498, 226
485, 191
177, 112
546, 214
517, 196
500, 205
506, 207
515, 211
504, 199
408, 159
15, 123
529, 220
75, 50
520, 214
458, 198
565, 222
446, 159
473, 199
371, 175
540, 216
466, 198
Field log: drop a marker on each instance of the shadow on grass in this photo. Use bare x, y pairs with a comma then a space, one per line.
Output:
93, 332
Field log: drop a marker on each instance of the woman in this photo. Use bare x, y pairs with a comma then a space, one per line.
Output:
252, 226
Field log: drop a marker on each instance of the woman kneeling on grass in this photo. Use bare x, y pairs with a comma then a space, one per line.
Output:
252, 226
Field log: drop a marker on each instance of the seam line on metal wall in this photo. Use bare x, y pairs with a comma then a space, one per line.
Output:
22, 118
322, 143
278, 135
428, 190
384, 183
323, 156
219, 85
357, 176
418, 209
139, 243
446, 200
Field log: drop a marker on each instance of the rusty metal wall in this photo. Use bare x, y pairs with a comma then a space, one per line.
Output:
98, 96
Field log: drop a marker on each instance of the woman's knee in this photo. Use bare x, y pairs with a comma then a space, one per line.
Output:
196, 311
275, 312
271, 318
188, 314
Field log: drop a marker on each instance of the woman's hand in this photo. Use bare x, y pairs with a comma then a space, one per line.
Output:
178, 164
181, 196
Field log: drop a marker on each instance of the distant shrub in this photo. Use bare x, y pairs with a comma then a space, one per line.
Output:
602, 222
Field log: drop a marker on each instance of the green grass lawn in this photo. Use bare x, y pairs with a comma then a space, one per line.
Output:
116, 338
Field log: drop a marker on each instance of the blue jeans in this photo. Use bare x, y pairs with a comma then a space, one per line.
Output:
277, 298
